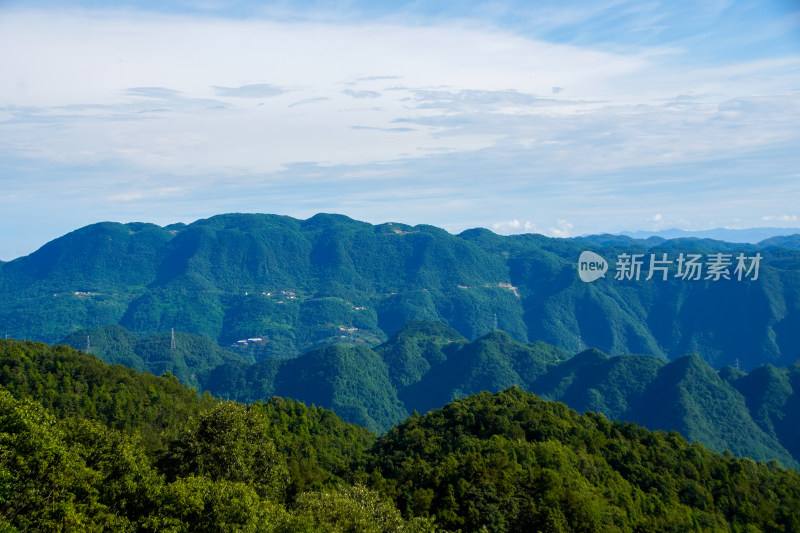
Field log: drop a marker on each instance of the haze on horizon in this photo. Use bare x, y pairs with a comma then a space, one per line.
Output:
599, 116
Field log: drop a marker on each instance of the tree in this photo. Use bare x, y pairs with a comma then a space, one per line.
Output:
230, 442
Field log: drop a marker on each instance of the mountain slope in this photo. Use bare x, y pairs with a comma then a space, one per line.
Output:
513, 462
593, 381
427, 364
302, 284
689, 397
353, 381
503, 462
773, 397
190, 361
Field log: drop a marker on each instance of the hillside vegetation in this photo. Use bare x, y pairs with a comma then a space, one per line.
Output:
302, 284
427, 364
499, 463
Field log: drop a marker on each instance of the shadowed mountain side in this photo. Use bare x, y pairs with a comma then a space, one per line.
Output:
773, 400
427, 364
493, 362
353, 381
417, 348
304, 284
593, 381
88, 443
688, 396
190, 361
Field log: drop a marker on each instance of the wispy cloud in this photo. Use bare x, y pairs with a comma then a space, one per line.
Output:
305, 101
556, 119
257, 90
153, 92
377, 78
361, 94
780, 218
382, 129
141, 194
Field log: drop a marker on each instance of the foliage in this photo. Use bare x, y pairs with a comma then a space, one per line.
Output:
229, 442
75, 384
503, 462
350, 380
70, 475
427, 364
353, 509
295, 283
512, 462
190, 361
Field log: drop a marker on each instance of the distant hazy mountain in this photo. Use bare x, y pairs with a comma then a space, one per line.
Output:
788, 241
750, 235
303, 284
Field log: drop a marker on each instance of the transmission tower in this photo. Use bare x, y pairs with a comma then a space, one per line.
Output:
172, 339
88, 344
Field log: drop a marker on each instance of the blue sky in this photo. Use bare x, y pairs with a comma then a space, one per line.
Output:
515, 116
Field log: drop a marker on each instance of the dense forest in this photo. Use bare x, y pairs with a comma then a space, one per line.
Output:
427, 364
303, 284
424, 371
87, 446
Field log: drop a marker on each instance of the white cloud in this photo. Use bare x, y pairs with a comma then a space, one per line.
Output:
160, 96
141, 193
362, 94
449, 123
511, 227
122, 64
254, 90
563, 228
780, 218
507, 225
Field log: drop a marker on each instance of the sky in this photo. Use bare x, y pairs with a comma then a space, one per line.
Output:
561, 118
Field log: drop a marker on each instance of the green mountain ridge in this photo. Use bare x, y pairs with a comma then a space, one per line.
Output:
428, 364
190, 361
72, 458
689, 397
301, 284
504, 461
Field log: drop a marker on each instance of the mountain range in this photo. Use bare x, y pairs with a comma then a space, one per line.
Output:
751, 235
428, 364
301, 284
380, 321
91, 446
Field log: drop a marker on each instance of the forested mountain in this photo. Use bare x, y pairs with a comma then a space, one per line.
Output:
378, 321
302, 284
73, 458
428, 364
89, 447
512, 462
190, 361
